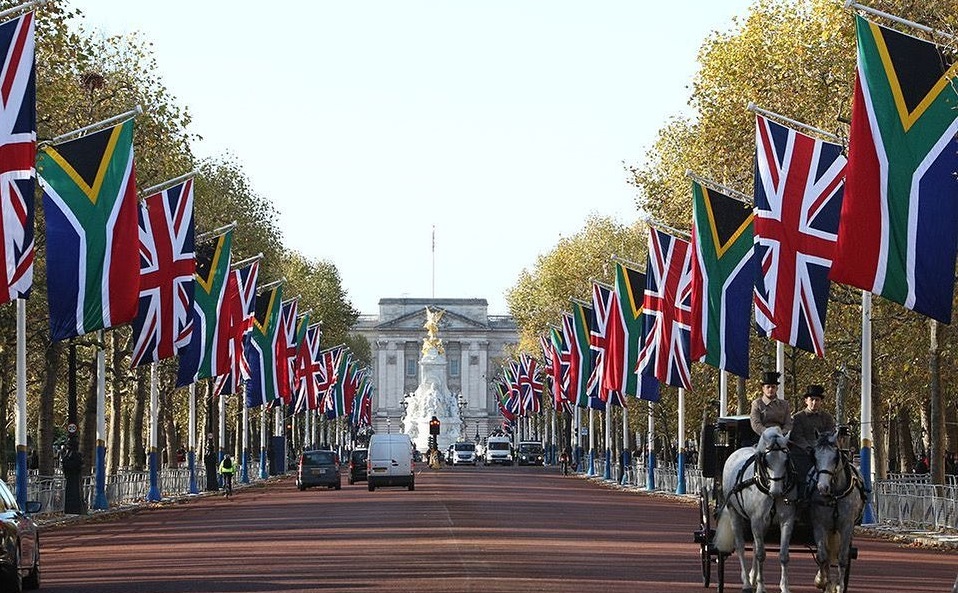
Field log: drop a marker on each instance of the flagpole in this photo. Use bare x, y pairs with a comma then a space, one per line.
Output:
874, 11
865, 451
154, 493
21, 9
433, 261
780, 366
23, 474
602, 284
166, 184
723, 392
591, 471
650, 464
664, 227
734, 194
262, 442
222, 430
265, 287
625, 262
244, 467
607, 474
246, 261
100, 125
99, 499
787, 120
215, 232
191, 454
680, 465
626, 456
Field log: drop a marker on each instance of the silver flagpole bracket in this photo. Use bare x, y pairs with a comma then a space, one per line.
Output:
100, 125
787, 120
852, 4
652, 222
735, 195
216, 232
166, 184
627, 263
248, 260
24, 8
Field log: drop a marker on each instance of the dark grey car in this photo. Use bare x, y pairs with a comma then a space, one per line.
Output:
318, 468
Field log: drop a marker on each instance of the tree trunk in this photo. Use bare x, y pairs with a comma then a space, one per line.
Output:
88, 428
741, 397
45, 435
137, 451
894, 449
906, 444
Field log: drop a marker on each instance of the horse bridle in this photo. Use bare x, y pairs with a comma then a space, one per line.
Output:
763, 480
843, 463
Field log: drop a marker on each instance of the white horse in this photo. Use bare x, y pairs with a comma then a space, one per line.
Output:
835, 507
757, 482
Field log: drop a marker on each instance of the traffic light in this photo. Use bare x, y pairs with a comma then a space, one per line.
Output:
434, 426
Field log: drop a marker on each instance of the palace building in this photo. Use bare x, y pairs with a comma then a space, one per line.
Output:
475, 345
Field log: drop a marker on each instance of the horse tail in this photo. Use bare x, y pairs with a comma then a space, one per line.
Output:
724, 532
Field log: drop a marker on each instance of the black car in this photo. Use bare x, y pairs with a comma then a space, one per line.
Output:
318, 468
357, 465
20, 549
529, 453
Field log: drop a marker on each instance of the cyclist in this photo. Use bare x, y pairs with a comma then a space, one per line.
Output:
227, 469
564, 461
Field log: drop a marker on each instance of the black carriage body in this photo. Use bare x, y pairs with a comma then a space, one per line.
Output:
719, 440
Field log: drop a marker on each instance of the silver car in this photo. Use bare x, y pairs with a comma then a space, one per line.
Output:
20, 549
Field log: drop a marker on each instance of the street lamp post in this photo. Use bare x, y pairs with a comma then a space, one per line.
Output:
462, 421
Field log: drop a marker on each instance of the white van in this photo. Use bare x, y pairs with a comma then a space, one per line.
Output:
498, 450
390, 462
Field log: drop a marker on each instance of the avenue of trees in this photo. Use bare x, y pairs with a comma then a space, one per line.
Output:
84, 77
796, 58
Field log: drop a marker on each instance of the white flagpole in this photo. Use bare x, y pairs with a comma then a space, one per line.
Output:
650, 464
222, 427
865, 456
191, 454
591, 442
780, 367
244, 477
607, 474
23, 472
626, 457
263, 426
99, 498
680, 486
723, 392
154, 493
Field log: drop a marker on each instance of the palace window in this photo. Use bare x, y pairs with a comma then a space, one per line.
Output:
410, 367
454, 367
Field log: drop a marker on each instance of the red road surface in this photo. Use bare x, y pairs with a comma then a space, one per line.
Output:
483, 529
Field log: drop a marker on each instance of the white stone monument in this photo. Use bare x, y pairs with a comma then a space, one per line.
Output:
432, 397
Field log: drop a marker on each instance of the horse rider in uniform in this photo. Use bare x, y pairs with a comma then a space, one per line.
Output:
769, 410
806, 426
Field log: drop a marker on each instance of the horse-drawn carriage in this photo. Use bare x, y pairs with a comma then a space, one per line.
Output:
754, 487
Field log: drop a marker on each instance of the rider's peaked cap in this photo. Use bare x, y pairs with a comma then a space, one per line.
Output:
814, 391
770, 378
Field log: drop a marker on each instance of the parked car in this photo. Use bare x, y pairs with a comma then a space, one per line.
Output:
20, 549
529, 453
318, 468
464, 453
357, 465
390, 462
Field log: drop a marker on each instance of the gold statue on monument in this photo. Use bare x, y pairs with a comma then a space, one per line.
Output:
432, 332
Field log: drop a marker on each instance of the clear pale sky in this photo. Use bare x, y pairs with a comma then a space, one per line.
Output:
504, 124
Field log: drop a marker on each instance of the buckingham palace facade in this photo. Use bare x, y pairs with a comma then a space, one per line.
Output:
476, 345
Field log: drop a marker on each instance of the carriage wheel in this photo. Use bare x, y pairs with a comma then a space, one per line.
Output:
705, 518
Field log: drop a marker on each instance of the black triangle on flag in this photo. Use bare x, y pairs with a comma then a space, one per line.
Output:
918, 65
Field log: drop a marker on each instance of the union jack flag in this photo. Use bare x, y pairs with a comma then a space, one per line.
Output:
668, 310
163, 320
18, 144
241, 307
311, 369
606, 316
362, 407
286, 351
530, 385
799, 182
327, 377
